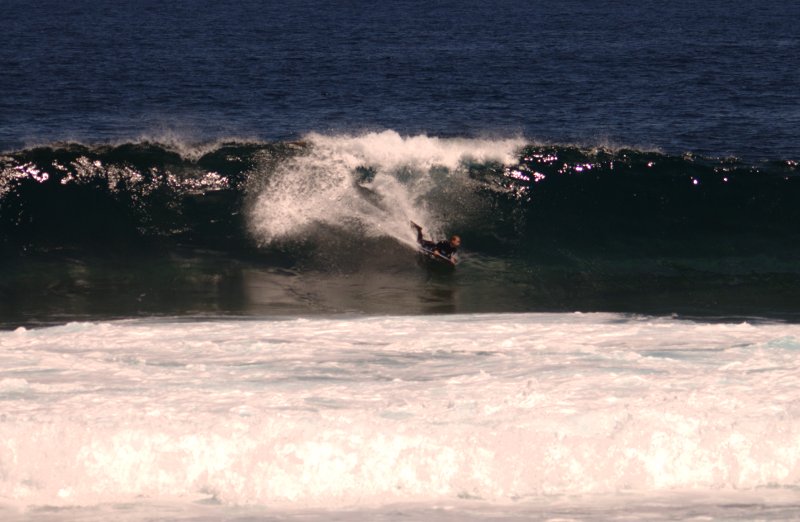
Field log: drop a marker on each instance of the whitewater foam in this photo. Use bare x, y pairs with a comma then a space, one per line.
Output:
337, 412
377, 182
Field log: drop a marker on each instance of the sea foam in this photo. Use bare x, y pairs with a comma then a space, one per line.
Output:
329, 413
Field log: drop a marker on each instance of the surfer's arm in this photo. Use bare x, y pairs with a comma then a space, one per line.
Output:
418, 228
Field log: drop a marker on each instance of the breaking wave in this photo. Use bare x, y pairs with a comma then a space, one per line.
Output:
576, 220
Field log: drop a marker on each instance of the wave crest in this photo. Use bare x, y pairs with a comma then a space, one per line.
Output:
376, 182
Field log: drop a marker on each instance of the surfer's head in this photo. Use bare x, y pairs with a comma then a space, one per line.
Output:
455, 241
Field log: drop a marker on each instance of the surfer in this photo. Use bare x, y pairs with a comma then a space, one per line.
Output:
445, 249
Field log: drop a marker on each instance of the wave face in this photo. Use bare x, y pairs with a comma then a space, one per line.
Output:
556, 226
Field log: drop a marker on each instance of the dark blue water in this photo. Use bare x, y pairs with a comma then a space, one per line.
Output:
718, 78
660, 173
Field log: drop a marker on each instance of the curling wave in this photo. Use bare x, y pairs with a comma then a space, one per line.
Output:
575, 226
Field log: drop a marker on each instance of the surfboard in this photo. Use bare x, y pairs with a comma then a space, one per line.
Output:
437, 257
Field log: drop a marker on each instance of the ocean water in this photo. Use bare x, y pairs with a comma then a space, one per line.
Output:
437, 417
211, 306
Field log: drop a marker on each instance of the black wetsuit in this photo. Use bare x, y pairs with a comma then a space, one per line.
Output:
443, 247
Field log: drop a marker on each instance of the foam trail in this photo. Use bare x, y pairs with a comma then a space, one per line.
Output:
376, 182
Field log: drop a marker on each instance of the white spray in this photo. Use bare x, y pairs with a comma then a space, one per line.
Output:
323, 186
